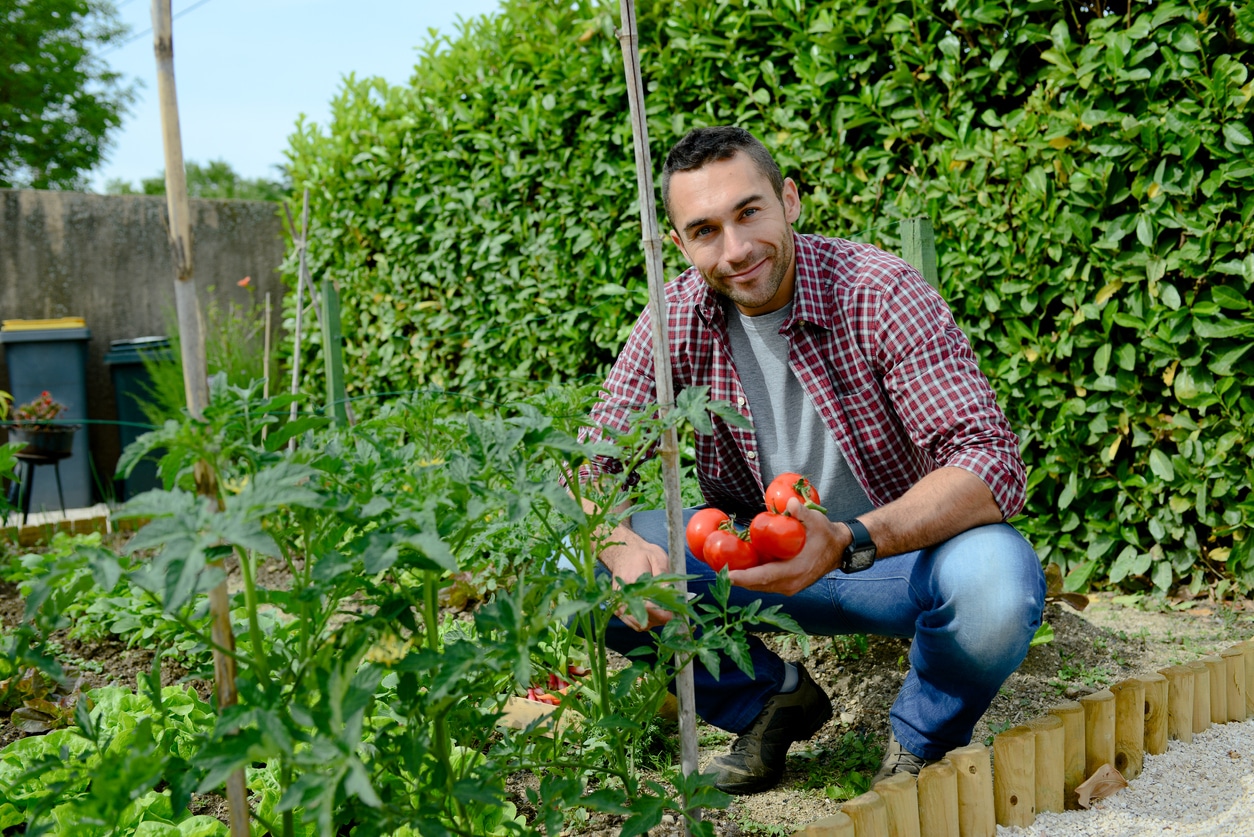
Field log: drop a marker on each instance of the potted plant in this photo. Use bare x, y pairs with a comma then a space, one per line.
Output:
33, 424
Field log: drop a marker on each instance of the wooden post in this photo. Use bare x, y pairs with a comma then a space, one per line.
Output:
1234, 681
837, 825
668, 445
1014, 777
901, 800
1051, 752
333, 354
1099, 730
1248, 647
918, 247
977, 816
869, 815
301, 280
938, 800
195, 371
1129, 727
1218, 689
1201, 695
1155, 686
1074, 756
1179, 702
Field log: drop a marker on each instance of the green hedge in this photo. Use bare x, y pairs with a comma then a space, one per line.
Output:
1088, 169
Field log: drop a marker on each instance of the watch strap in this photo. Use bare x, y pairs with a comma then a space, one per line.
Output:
861, 537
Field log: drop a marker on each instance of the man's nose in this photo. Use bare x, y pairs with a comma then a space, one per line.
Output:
736, 247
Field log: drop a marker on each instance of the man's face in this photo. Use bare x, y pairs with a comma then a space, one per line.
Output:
732, 228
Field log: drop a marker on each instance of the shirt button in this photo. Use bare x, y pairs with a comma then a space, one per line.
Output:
752, 455
741, 401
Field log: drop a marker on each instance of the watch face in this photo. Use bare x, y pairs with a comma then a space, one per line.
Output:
855, 561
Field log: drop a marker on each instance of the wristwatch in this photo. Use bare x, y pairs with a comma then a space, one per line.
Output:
860, 553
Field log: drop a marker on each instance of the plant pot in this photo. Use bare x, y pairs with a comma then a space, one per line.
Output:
53, 440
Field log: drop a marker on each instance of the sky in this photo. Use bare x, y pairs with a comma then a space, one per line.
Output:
246, 69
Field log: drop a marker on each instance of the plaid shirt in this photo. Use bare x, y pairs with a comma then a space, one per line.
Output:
878, 352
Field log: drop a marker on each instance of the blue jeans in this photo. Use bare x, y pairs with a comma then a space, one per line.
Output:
971, 605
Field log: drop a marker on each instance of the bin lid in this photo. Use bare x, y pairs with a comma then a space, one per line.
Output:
136, 349
43, 335
37, 325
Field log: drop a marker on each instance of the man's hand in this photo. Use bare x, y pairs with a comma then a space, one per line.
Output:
631, 559
825, 543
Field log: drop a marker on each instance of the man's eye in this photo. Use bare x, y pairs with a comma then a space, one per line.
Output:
703, 232
751, 211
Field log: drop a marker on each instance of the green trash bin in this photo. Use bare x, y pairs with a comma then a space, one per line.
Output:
51, 355
132, 389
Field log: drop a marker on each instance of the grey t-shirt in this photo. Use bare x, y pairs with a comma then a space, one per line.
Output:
791, 435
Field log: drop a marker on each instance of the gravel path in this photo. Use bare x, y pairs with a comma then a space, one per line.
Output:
1192, 790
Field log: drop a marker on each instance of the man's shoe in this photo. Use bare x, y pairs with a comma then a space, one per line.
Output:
897, 759
755, 761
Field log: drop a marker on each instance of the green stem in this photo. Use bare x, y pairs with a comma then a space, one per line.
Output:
261, 660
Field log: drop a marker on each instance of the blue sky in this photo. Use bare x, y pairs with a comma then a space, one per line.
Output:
246, 69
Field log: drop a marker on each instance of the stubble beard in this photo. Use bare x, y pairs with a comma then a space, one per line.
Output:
761, 294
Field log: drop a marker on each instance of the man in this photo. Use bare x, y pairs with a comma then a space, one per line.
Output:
855, 375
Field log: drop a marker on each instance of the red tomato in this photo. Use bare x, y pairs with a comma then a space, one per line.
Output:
788, 485
777, 536
728, 549
700, 525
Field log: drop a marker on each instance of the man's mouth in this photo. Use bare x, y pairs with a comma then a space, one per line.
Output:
741, 275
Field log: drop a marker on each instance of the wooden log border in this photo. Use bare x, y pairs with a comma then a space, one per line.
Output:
964, 794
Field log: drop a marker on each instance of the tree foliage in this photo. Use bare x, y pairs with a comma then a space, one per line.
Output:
58, 100
1087, 166
216, 179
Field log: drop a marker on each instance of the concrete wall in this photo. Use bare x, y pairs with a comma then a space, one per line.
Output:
107, 258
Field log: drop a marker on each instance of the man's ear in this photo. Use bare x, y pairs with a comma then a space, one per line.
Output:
792, 200
680, 244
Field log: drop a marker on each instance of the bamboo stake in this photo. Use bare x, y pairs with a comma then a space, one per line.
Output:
195, 370
669, 444
300, 304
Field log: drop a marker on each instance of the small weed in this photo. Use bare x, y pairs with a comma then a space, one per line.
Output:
850, 647
996, 728
844, 771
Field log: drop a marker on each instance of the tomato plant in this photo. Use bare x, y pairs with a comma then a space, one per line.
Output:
786, 486
777, 537
726, 548
700, 525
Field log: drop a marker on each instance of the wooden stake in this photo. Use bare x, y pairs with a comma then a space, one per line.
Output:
976, 813
901, 799
1218, 689
837, 825
195, 370
918, 247
1051, 750
938, 800
1234, 681
1014, 777
668, 446
1201, 695
300, 303
869, 814
1155, 686
1099, 730
1129, 727
1074, 757
1248, 647
1179, 702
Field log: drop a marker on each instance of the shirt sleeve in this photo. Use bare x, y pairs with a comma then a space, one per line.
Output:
945, 402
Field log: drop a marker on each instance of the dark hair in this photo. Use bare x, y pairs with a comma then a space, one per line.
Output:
701, 146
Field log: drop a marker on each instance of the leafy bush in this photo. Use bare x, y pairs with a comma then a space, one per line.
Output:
1087, 167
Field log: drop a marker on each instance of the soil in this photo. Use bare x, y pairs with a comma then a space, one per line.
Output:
1110, 640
